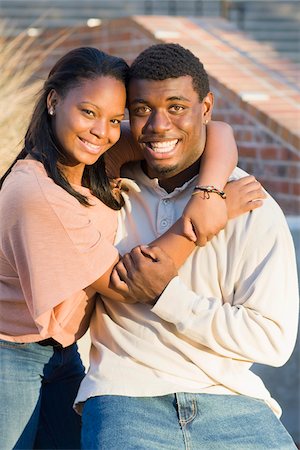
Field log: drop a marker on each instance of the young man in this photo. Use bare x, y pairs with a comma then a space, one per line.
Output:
174, 372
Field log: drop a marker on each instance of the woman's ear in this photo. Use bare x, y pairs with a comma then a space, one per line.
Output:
208, 103
52, 99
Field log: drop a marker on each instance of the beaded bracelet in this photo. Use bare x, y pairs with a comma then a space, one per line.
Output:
207, 190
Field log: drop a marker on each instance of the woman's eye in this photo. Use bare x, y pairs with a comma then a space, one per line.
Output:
89, 112
115, 121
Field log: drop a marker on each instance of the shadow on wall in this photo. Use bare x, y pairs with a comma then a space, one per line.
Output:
284, 382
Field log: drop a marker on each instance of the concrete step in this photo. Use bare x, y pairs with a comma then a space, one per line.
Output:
270, 25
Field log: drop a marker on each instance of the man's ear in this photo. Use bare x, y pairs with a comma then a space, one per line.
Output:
208, 104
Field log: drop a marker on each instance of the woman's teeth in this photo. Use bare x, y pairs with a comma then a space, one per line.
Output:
91, 146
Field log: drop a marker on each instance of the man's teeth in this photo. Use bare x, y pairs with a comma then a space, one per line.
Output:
163, 147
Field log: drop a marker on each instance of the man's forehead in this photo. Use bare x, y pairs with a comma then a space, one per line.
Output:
180, 88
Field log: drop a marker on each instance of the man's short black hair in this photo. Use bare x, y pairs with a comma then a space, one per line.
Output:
163, 61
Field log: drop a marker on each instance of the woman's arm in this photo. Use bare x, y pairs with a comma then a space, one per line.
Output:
148, 270
204, 217
171, 249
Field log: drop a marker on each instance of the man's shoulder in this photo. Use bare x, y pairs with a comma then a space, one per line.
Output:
268, 218
133, 177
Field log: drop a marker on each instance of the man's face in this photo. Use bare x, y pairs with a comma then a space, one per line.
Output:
167, 122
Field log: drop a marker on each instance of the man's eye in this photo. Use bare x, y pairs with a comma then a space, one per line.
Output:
142, 110
177, 108
115, 121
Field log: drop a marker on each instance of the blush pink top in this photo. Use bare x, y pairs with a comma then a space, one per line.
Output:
52, 249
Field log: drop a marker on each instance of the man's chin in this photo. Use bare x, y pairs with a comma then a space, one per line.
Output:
161, 171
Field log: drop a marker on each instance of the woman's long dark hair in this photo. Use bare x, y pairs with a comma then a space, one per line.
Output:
70, 71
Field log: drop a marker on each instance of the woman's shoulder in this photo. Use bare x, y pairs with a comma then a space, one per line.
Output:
25, 175
28, 189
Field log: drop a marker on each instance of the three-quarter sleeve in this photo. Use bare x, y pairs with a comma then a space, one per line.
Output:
52, 244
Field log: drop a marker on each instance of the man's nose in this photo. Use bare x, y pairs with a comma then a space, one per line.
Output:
158, 122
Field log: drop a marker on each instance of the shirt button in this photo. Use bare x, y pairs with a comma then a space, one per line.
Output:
164, 223
166, 201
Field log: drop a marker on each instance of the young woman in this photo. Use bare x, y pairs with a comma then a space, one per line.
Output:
58, 220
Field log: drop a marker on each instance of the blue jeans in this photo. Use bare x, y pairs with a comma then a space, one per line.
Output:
37, 388
181, 421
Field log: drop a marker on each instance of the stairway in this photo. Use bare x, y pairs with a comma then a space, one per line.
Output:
272, 22
276, 22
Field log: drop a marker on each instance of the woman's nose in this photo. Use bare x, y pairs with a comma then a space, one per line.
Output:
100, 128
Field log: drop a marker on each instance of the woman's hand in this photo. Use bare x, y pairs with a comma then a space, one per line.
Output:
145, 271
243, 195
203, 217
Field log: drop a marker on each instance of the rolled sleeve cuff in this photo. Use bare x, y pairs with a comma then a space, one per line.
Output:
176, 303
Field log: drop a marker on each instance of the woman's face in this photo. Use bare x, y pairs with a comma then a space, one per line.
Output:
87, 121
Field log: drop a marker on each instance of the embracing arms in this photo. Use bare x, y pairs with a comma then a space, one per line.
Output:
239, 299
202, 217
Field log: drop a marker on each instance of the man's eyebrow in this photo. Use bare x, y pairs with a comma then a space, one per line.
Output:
178, 97
169, 99
138, 100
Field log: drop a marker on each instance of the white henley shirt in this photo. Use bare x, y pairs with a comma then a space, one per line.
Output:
233, 303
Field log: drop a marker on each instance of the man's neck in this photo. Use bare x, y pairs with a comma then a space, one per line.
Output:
171, 183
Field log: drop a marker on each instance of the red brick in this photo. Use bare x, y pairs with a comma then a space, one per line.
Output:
247, 152
290, 205
269, 153
294, 172
276, 186
295, 188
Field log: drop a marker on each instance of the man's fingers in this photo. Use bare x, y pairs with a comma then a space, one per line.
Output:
118, 284
153, 252
122, 268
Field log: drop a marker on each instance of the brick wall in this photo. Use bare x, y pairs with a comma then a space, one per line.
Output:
266, 124
261, 152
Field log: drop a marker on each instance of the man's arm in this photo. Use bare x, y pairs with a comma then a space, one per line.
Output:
259, 323
243, 195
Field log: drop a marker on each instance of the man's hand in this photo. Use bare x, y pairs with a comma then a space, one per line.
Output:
146, 271
203, 218
243, 195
